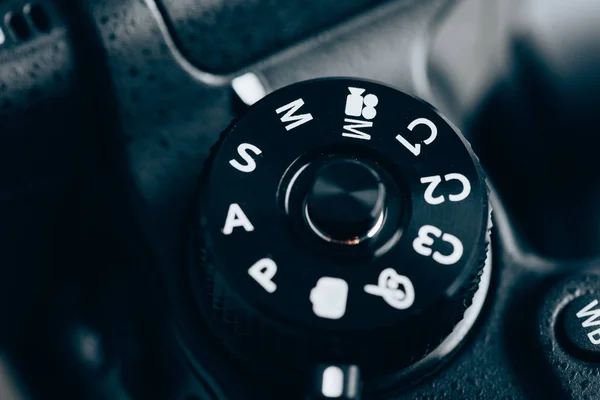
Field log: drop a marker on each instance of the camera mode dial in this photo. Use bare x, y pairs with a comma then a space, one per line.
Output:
338, 220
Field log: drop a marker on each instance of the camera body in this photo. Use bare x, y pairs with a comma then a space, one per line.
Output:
109, 112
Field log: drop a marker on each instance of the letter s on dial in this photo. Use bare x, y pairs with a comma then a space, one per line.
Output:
244, 151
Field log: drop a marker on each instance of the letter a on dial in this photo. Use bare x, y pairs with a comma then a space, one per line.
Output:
236, 218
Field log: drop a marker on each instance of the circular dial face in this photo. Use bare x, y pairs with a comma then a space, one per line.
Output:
309, 154
346, 202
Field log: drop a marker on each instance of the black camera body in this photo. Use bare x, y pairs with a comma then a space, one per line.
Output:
138, 143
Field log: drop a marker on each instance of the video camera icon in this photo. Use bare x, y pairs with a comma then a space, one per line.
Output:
357, 104
395, 289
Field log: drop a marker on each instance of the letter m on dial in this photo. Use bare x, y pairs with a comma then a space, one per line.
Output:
291, 116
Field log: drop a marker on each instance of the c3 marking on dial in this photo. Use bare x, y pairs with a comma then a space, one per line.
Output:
395, 289
263, 271
329, 297
416, 148
236, 218
244, 150
358, 105
434, 181
296, 120
423, 242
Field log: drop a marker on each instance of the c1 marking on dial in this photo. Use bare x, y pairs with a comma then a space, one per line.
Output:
243, 150
296, 120
329, 297
236, 218
423, 241
434, 181
263, 271
416, 149
397, 290
358, 105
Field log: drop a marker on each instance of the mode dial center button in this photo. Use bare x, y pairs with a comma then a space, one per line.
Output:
346, 202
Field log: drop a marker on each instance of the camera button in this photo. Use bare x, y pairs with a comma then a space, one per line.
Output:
580, 325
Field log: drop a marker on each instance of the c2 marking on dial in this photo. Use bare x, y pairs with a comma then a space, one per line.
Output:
236, 218
423, 242
329, 297
290, 109
243, 150
434, 181
395, 289
263, 271
358, 105
416, 148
